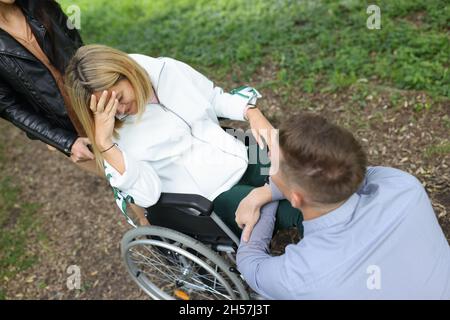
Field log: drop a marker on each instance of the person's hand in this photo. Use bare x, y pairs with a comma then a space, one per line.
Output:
248, 211
80, 151
261, 128
104, 111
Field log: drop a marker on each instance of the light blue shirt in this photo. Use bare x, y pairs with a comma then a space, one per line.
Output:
384, 242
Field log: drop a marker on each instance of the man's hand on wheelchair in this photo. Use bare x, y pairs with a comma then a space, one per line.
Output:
248, 211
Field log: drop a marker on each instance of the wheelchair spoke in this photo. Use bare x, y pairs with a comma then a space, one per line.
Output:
149, 263
205, 282
171, 281
201, 287
178, 272
168, 265
152, 264
156, 255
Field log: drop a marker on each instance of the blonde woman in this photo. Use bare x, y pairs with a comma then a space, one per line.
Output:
154, 124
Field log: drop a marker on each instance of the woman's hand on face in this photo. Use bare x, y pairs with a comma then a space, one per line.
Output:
261, 128
104, 118
80, 151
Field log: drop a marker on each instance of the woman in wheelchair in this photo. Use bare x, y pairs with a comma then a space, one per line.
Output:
154, 126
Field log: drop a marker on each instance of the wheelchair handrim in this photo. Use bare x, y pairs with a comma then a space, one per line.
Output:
153, 290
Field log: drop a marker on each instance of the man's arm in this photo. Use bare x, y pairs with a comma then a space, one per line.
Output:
263, 272
276, 193
248, 211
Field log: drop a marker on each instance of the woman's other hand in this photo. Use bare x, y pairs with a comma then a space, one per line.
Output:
261, 128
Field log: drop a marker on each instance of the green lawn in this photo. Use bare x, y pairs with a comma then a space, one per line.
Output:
315, 45
19, 227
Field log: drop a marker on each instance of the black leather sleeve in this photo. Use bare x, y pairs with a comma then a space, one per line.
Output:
35, 125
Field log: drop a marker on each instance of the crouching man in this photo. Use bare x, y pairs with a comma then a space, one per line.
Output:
369, 232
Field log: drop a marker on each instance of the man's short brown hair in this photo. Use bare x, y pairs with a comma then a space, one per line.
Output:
322, 158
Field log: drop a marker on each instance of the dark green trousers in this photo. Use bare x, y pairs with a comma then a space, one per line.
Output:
226, 204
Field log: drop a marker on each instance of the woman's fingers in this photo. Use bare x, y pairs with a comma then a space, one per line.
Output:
93, 104
86, 154
256, 133
262, 130
102, 101
111, 102
105, 105
80, 151
265, 136
114, 108
265, 133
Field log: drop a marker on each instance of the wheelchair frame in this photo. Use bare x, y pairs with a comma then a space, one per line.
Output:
189, 219
200, 235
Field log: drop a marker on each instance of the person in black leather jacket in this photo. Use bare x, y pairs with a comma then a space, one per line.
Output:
31, 97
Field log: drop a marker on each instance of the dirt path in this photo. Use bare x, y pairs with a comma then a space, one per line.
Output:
81, 223
83, 227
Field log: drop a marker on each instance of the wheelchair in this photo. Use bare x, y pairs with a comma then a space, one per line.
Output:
187, 253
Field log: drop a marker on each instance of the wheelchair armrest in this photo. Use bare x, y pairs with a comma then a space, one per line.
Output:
185, 201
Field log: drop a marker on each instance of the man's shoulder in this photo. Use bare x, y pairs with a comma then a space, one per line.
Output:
392, 177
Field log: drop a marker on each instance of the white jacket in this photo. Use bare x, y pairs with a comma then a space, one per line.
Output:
159, 148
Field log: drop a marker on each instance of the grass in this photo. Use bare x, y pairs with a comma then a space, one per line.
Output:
446, 121
315, 46
443, 148
19, 223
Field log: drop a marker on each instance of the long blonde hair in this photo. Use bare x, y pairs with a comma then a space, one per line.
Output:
95, 68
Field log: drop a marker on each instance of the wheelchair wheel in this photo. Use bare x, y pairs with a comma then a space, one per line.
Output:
168, 265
